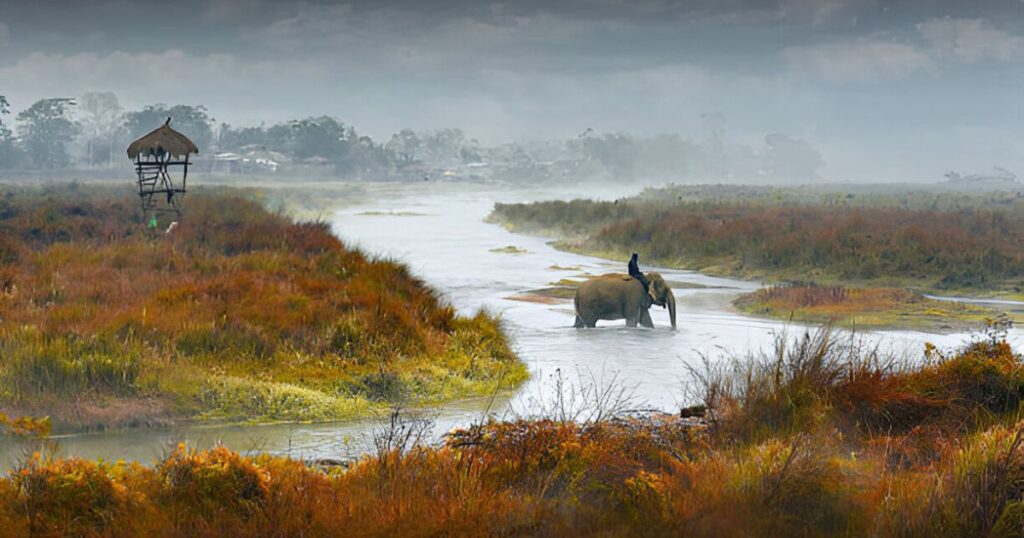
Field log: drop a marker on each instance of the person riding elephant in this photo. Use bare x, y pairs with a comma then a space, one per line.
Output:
634, 271
621, 296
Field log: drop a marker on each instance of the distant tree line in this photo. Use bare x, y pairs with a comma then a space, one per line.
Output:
90, 132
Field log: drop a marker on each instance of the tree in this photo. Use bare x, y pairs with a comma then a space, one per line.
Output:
229, 138
9, 155
99, 114
316, 137
792, 159
46, 132
191, 121
405, 145
616, 153
326, 138
443, 147
366, 156
666, 155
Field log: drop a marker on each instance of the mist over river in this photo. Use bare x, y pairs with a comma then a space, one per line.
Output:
443, 238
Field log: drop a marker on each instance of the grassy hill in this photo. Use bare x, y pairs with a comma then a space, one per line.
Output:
238, 314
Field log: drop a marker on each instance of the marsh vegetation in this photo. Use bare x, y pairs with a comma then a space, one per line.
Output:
239, 314
891, 237
822, 434
819, 437
863, 308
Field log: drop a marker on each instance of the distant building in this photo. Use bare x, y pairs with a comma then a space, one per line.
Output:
999, 175
226, 163
252, 161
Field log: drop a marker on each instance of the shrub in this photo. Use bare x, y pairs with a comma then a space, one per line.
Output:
951, 392
67, 497
200, 487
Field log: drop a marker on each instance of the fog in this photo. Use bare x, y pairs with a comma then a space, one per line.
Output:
507, 101
738, 90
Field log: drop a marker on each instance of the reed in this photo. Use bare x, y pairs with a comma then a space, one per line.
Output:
792, 445
240, 314
947, 244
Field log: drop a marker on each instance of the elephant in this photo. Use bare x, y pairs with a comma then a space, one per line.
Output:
620, 296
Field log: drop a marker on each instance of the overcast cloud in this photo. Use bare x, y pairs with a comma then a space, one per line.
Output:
886, 90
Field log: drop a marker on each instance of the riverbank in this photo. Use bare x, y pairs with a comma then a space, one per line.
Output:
931, 241
240, 314
819, 437
449, 226
863, 308
939, 243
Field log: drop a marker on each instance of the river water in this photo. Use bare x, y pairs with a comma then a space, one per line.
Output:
443, 238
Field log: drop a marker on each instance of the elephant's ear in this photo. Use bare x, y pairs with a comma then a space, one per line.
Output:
650, 293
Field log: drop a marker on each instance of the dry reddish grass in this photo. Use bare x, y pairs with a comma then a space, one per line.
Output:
974, 246
853, 447
95, 304
883, 307
88, 269
835, 297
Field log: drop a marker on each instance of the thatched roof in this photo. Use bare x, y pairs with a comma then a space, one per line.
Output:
162, 140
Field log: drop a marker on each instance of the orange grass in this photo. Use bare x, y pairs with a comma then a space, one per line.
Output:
973, 247
832, 443
96, 306
875, 307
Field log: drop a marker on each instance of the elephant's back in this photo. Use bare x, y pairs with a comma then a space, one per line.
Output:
604, 294
611, 277
603, 282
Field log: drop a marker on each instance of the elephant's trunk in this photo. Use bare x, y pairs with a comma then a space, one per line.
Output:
671, 299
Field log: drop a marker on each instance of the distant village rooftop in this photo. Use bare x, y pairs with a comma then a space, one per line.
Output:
998, 175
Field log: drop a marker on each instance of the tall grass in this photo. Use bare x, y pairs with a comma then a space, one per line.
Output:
34, 365
825, 378
792, 446
940, 246
241, 313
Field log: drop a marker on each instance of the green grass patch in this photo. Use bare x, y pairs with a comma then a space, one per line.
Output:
510, 249
863, 307
390, 214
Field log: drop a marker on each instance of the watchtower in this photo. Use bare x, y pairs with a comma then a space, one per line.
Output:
161, 163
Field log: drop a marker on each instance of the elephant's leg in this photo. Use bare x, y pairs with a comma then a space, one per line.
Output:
645, 319
579, 323
630, 322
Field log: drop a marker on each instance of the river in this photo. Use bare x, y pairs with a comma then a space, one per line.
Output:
442, 236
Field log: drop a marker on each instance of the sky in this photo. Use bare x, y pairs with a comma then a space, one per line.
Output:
886, 90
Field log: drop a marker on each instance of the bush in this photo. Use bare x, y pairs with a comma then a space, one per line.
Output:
201, 487
822, 375
67, 497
